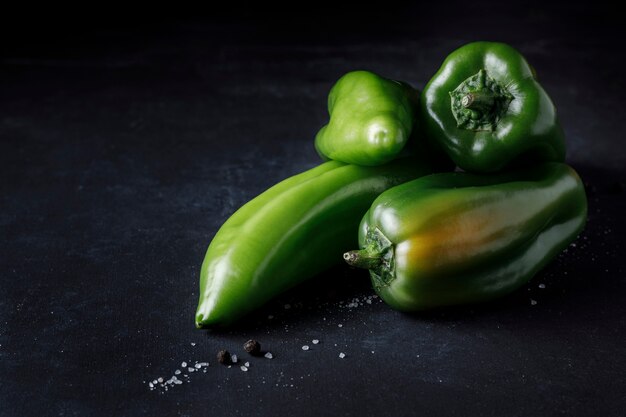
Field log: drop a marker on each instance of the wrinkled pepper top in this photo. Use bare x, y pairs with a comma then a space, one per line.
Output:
371, 119
486, 110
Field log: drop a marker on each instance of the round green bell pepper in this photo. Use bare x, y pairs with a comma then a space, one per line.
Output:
486, 110
456, 238
371, 119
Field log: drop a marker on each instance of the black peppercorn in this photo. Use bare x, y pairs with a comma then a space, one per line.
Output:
252, 347
223, 357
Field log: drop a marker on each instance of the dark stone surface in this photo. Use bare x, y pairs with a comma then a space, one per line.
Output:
123, 150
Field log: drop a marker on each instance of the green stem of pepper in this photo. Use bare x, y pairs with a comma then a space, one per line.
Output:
482, 101
363, 259
479, 102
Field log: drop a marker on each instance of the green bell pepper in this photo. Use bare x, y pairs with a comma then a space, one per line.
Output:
371, 119
289, 233
456, 238
486, 110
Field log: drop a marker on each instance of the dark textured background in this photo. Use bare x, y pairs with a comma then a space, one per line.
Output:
126, 141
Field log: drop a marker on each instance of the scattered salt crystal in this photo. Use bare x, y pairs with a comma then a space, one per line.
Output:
160, 379
198, 366
342, 355
233, 358
315, 341
155, 382
184, 364
150, 384
178, 381
244, 368
190, 369
533, 302
368, 301
193, 344
287, 306
177, 372
340, 325
247, 364
305, 347
542, 286
269, 355
270, 317
203, 364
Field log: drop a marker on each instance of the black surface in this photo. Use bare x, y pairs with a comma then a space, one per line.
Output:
125, 146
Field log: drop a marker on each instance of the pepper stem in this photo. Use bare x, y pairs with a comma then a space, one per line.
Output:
362, 259
479, 102
482, 101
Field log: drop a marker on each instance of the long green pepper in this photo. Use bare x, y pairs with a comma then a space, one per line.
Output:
457, 238
291, 232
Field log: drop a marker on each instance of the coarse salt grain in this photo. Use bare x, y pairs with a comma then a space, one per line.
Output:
193, 344
184, 364
247, 364
533, 302
198, 366
269, 355
244, 368
342, 355
190, 369
233, 358
160, 379
542, 286
177, 372
340, 325
315, 341
305, 347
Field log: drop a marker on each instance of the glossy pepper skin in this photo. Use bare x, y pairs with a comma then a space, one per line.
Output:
371, 119
289, 233
486, 110
457, 238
